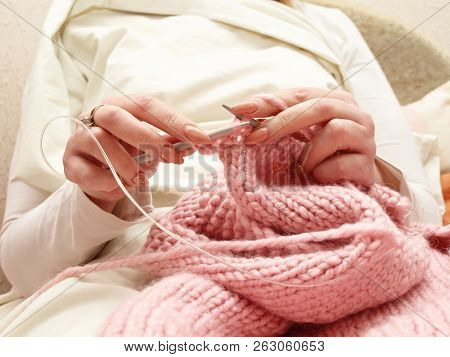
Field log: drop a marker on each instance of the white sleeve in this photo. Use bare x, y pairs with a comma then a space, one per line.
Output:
44, 233
364, 78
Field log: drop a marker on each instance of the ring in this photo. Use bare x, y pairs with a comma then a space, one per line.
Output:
88, 120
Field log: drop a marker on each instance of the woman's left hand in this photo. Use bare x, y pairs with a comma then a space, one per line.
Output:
344, 147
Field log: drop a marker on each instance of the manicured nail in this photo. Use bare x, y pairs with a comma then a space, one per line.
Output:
258, 136
196, 135
187, 152
137, 179
167, 153
247, 107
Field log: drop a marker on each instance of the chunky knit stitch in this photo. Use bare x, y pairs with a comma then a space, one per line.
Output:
350, 249
337, 259
422, 311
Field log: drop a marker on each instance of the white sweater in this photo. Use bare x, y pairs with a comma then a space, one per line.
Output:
194, 55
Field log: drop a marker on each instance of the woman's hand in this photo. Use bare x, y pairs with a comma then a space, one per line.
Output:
343, 145
123, 131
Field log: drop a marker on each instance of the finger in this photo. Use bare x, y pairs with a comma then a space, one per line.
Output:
307, 114
136, 133
130, 148
173, 140
127, 128
171, 156
122, 161
339, 135
260, 106
87, 175
187, 152
157, 113
357, 168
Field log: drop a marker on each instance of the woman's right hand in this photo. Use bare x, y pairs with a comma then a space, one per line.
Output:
123, 131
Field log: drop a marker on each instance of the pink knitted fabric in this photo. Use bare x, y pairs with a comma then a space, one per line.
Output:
338, 260
422, 311
358, 260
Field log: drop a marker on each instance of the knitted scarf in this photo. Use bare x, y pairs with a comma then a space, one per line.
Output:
285, 256
337, 259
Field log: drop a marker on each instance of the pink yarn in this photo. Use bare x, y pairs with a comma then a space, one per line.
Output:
422, 311
352, 249
363, 268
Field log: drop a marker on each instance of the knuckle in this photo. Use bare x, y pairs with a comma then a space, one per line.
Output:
367, 169
146, 142
66, 158
110, 116
148, 139
75, 175
85, 177
126, 166
369, 123
151, 146
145, 102
323, 106
372, 151
299, 94
368, 163
68, 170
283, 119
172, 119
99, 133
340, 167
337, 129
345, 96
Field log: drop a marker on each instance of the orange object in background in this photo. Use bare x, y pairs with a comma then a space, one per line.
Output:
445, 183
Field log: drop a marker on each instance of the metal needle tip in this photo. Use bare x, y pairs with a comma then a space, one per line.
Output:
254, 123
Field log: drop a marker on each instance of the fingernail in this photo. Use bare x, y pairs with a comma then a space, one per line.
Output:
137, 179
247, 107
187, 152
258, 136
168, 153
196, 135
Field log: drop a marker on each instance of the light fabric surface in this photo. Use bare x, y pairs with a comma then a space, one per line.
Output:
429, 119
309, 41
431, 115
18, 44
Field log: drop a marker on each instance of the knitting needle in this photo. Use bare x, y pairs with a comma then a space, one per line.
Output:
253, 122
218, 133
215, 134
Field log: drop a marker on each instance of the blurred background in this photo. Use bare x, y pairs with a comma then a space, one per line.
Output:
414, 66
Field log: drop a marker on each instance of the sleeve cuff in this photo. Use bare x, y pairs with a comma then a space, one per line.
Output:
393, 177
422, 201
